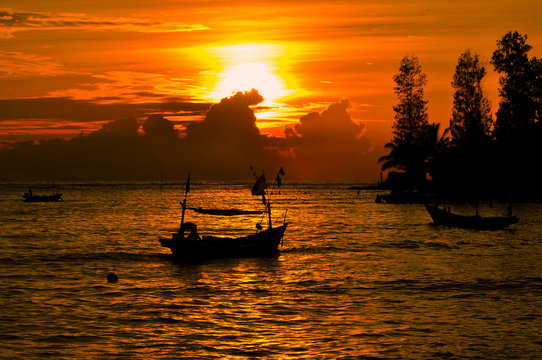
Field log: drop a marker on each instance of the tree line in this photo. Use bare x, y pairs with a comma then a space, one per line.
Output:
477, 155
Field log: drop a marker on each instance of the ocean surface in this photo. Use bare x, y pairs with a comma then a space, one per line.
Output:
353, 280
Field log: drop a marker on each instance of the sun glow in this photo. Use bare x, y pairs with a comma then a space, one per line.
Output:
251, 75
242, 67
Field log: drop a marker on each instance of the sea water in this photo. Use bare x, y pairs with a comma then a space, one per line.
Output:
354, 279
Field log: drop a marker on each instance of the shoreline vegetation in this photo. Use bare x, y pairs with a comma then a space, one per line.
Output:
476, 157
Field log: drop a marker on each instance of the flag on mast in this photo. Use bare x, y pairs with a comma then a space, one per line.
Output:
259, 186
278, 179
187, 184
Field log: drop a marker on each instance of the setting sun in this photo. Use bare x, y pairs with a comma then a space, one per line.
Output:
246, 76
246, 66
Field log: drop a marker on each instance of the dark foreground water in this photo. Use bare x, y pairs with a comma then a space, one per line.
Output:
353, 280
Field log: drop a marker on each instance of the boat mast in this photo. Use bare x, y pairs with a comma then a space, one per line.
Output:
269, 211
267, 200
277, 181
260, 188
183, 204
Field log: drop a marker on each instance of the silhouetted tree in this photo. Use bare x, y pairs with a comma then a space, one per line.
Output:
411, 112
434, 145
397, 158
471, 120
407, 150
517, 128
520, 104
465, 167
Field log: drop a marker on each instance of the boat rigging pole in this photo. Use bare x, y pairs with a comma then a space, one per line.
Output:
269, 211
183, 204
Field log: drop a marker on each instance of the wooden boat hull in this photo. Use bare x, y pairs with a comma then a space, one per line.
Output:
443, 217
263, 243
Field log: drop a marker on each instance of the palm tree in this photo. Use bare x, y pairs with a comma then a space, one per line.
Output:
434, 147
418, 157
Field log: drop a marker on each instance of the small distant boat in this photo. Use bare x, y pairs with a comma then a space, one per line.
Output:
446, 217
225, 212
31, 197
188, 245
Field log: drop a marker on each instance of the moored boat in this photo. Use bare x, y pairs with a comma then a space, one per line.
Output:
188, 245
446, 217
31, 197
191, 246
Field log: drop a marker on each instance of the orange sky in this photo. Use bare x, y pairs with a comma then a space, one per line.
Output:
71, 66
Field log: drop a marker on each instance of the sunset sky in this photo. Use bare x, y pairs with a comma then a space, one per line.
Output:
68, 67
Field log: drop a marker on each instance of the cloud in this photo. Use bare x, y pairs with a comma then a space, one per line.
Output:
12, 22
158, 126
334, 123
223, 145
322, 145
14, 63
38, 118
231, 119
227, 141
122, 127
67, 109
131, 86
326, 145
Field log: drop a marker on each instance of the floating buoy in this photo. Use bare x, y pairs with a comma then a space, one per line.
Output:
112, 278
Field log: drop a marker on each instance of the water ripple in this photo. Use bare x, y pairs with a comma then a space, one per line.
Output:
354, 280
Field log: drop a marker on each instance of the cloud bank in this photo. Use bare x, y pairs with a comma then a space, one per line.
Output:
325, 145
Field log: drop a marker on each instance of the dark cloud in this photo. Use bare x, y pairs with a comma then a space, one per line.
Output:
325, 145
223, 145
123, 127
11, 22
330, 125
231, 120
227, 141
16, 115
87, 110
157, 125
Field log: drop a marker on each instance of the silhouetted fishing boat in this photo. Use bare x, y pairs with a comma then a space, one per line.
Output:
225, 212
188, 245
446, 217
31, 197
